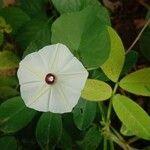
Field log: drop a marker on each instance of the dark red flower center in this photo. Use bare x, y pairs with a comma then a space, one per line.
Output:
50, 78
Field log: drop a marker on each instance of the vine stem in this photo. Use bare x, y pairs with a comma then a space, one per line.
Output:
138, 37
110, 103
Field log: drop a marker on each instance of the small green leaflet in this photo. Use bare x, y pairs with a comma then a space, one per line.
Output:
137, 82
114, 64
132, 116
96, 90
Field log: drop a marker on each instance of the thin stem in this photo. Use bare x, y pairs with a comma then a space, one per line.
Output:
138, 37
105, 144
100, 104
112, 145
110, 103
132, 140
117, 134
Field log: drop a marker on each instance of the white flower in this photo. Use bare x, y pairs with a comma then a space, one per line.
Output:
51, 79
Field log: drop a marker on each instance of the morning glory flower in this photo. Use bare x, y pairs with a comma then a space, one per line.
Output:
51, 79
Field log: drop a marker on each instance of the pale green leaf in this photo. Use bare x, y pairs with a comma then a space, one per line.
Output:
49, 130
137, 82
125, 131
96, 90
114, 64
14, 115
132, 116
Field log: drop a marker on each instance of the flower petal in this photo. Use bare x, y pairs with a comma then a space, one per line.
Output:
39, 99
55, 56
63, 99
34, 64
73, 75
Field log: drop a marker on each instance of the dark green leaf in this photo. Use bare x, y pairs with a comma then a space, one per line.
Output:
8, 143
33, 8
15, 17
8, 81
84, 113
91, 140
49, 130
65, 141
98, 74
14, 115
66, 6
7, 92
73, 30
37, 30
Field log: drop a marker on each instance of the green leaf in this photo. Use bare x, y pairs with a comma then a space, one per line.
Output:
84, 114
7, 92
34, 46
125, 131
15, 17
132, 116
8, 81
137, 82
114, 64
65, 141
49, 130
130, 61
8, 142
33, 8
66, 6
98, 74
37, 30
14, 115
96, 90
91, 140
8, 60
73, 30
144, 43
